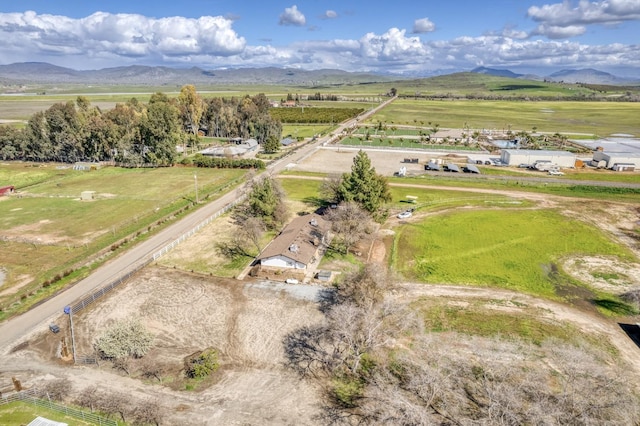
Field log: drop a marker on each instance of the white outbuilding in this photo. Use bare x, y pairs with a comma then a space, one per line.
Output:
619, 161
514, 157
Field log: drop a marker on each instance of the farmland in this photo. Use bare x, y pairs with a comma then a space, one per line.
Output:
48, 231
593, 118
503, 248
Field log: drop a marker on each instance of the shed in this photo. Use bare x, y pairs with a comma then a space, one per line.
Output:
451, 168
324, 275
471, 168
286, 141
624, 167
432, 165
612, 158
9, 189
513, 157
41, 421
88, 195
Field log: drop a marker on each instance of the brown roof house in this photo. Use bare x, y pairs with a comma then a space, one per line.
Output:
298, 244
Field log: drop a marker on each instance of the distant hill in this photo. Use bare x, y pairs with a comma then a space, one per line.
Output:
496, 72
45, 73
588, 76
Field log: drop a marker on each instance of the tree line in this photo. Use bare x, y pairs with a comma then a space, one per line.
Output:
314, 114
133, 132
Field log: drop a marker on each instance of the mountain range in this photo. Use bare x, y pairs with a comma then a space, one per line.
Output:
45, 73
583, 75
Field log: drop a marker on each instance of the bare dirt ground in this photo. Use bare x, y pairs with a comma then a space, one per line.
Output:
186, 312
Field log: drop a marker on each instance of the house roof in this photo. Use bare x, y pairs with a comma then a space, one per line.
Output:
296, 241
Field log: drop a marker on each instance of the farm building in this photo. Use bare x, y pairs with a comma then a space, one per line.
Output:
237, 148
513, 157
619, 161
297, 245
7, 190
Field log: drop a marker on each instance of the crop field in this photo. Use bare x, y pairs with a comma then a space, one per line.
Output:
47, 229
513, 249
405, 143
593, 118
304, 130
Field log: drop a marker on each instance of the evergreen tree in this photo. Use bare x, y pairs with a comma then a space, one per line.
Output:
364, 186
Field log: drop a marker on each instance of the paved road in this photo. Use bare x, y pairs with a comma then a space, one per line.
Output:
20, 328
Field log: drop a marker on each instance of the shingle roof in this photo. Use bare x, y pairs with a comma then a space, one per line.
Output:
296, 241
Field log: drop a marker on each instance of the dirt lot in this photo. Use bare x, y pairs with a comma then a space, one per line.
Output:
386, 162
246, 322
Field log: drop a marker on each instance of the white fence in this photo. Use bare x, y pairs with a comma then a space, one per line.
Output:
201, 225
30, 397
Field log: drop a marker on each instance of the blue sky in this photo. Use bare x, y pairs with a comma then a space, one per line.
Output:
401, 36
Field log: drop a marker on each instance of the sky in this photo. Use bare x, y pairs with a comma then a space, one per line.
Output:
404, 37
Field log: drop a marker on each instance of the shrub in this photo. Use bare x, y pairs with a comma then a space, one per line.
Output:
201, 365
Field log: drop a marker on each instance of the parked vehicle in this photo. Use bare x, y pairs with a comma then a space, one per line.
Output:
405, 214
54, 328
556, 173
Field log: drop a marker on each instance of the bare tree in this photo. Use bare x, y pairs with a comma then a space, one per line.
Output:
147, 412
114, 403
88, 398
151, 368
330, 188
350, 223
57, 389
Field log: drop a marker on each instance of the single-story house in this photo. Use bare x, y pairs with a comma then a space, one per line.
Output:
297, 245
237, 148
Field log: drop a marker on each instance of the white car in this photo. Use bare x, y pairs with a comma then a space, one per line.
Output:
405, 215
556, 173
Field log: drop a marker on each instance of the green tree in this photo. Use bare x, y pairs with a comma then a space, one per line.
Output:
365, 187
191, 108
265, 200
271, 145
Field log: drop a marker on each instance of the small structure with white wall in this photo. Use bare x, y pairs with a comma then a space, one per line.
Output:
88, 195
514, 157
619, 161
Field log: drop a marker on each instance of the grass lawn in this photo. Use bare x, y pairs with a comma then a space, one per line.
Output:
478, 319
21, 413
593, 118
304, 130
513, 249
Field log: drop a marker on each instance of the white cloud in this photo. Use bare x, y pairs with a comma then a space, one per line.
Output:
128, 35
557, 32
586, 12
330, 14
423, 25
292, 16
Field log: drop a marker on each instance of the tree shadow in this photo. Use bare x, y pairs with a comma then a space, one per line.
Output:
615, 306
633, 331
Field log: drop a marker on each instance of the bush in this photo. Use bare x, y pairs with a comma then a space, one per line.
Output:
201, 365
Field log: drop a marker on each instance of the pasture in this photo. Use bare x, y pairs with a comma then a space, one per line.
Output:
592, 118
47, 231
515, 249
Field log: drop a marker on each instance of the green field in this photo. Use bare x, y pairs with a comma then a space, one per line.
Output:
21, 413
49, 231
513, 249
593, 118
407, 143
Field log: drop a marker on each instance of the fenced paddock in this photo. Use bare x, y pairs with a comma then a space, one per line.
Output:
31, 396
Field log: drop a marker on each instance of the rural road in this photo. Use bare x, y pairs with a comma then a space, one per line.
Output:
20, 328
